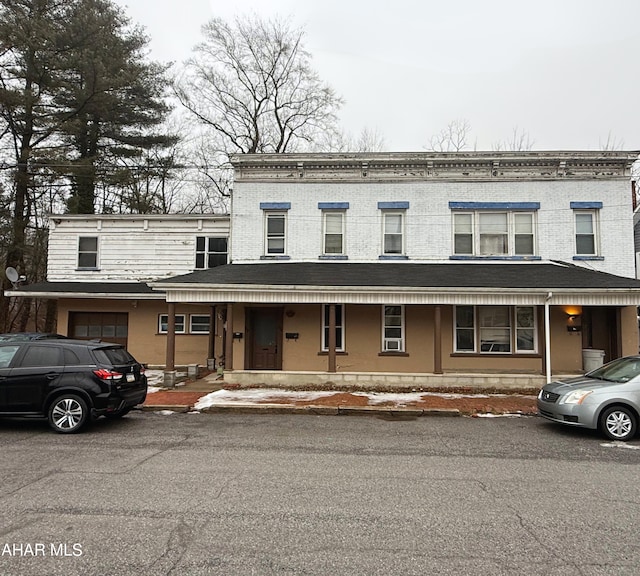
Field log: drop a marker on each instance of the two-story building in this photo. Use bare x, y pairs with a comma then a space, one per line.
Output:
99, 268
388, 269
424, 269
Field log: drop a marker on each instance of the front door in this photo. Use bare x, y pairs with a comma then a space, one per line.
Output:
264, 338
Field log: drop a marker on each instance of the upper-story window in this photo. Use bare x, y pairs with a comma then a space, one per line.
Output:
485, 231
275, 227
275, 232
88, 252
333, 237
333, 228
393, 223
586, 228
210, 252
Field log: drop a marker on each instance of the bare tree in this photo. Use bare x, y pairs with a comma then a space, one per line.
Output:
252, 83
611, 143
519, 141
368, 140
453, 138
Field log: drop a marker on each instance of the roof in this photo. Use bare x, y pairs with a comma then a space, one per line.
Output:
367, 283
117, 290
403, 274
401, 282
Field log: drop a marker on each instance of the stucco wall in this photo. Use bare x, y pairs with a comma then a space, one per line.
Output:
144, 341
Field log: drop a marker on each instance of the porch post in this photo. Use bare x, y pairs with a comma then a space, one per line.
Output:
332, 338
228, 339
170, 356
171, 337
437, 341
547, 338
211, 354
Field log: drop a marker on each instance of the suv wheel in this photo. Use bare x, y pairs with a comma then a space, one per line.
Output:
68, 413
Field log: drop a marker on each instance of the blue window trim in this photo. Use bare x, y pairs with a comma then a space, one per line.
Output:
333, 257
494, 205
585, 205
392, 257
471, 257
275, 205
275, 257
588, 257
393, 205
333, 205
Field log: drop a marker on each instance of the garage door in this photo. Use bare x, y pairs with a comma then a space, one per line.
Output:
105, 326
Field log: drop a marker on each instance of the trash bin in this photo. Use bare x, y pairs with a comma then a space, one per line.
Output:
592, 359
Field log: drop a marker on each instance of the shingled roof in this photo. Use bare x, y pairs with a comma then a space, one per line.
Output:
516, 275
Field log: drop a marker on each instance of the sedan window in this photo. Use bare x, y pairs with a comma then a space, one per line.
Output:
620, 370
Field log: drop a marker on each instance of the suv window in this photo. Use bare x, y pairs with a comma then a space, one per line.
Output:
113, 356
6, 355
42, 356
71, 358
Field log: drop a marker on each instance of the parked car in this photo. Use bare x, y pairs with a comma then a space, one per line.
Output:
605, 399
24, 336
70, 382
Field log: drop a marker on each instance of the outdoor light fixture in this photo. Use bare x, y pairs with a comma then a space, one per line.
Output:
574, 323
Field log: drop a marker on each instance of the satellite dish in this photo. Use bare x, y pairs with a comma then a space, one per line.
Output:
12, 274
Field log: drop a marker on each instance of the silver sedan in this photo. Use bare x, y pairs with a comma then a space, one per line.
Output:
606, 399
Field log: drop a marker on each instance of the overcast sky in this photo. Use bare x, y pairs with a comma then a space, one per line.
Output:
565, 72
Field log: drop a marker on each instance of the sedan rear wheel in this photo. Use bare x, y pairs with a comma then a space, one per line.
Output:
68, 414
618, 423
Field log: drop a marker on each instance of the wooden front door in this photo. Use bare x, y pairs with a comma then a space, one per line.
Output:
264, 338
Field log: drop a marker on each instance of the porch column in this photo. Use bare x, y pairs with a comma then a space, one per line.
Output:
170, 357
547, 338
171, 337
212, 337
332, 338
437, 340
228, 339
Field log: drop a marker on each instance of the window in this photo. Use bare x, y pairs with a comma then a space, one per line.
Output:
393, 328
586, 233
494, 233
275, 228
210, 252
393, 232
88, 252
199, 324
495, 329
163, 322
499, 229
339, 328
333, 236
37, 356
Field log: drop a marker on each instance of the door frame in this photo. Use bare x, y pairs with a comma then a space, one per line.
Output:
250, 315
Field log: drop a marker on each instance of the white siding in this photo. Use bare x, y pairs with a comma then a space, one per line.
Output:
130, 248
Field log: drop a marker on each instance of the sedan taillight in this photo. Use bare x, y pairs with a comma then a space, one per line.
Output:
107, 374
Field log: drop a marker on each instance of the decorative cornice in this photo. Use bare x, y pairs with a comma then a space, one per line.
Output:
456, 166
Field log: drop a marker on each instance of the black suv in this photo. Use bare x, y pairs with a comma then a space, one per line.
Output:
68, 381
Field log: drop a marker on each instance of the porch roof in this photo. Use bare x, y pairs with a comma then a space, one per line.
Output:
93, 290
402, 283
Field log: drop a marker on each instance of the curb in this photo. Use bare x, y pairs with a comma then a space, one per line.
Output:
172, 407
309, 410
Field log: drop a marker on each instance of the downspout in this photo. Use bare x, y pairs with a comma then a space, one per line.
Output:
547, 337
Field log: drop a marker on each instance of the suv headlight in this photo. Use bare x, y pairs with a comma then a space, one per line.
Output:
576, 397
